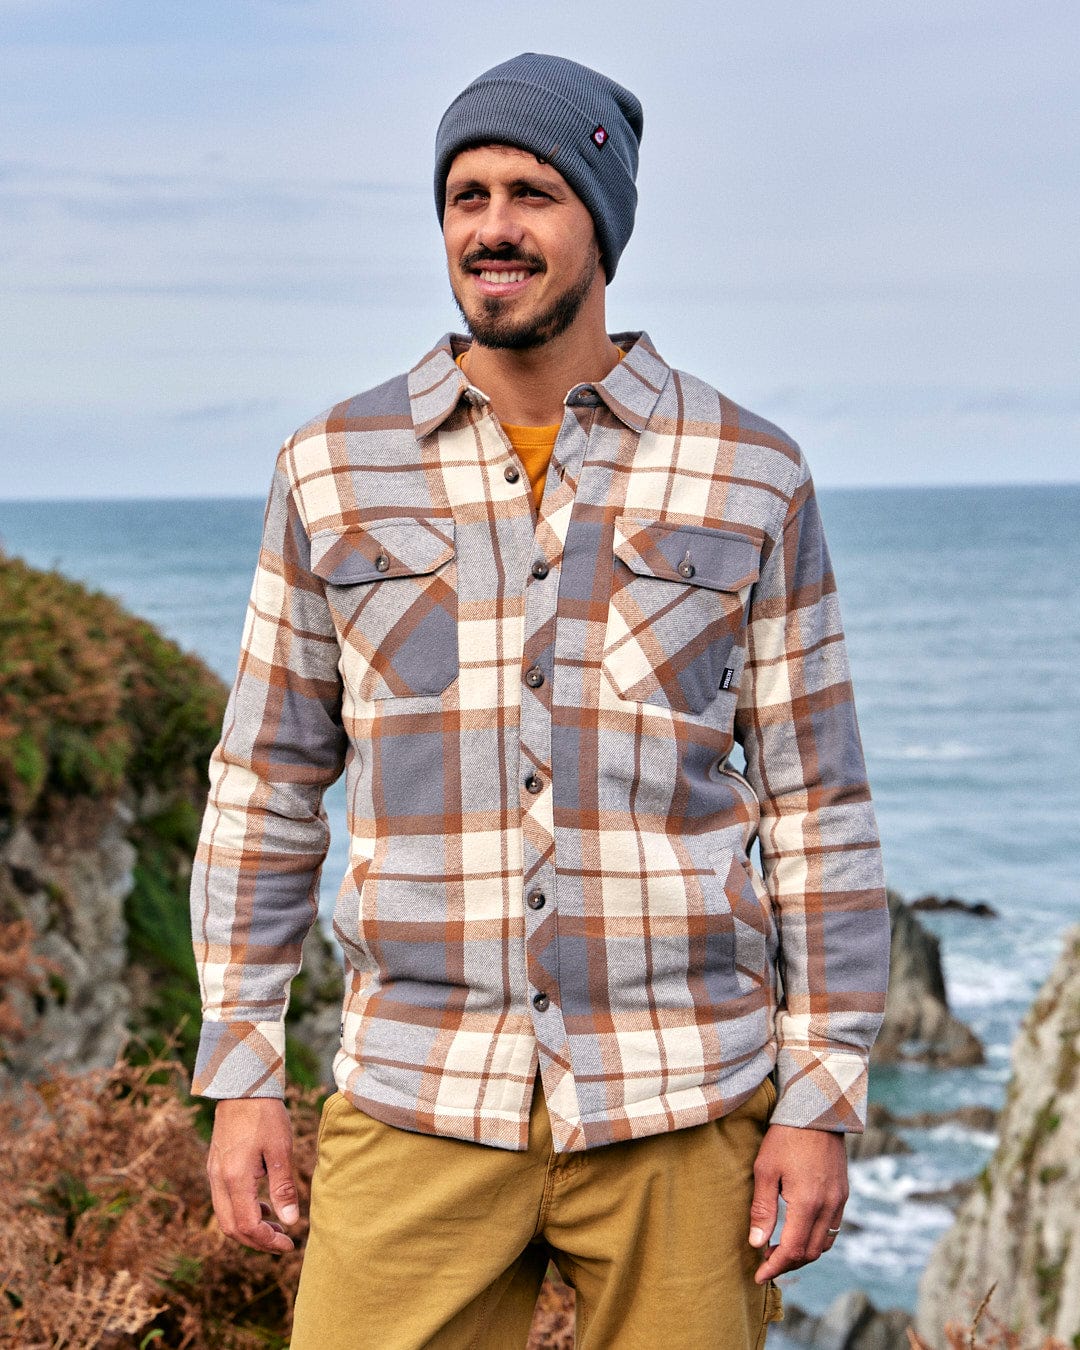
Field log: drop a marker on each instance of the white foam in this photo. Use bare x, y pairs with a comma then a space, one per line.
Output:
973, 984
951, 1131
944, 750
897, 1242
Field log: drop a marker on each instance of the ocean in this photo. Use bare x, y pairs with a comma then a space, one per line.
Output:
962, 610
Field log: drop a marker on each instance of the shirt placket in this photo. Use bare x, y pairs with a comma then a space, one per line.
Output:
540, 894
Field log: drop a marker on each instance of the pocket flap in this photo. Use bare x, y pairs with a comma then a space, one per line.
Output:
721, 560
378, 549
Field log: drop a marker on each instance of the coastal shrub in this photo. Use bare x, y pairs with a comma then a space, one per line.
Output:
107, 1236
92, 699
106, 1232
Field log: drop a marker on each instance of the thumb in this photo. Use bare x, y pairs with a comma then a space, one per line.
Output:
281, 1181
763, 1207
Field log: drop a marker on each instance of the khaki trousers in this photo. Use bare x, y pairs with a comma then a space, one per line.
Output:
419, 1241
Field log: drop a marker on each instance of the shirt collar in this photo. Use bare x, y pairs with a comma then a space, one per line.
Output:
437, 383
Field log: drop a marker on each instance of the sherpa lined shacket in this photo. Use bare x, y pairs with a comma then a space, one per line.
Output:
549, 848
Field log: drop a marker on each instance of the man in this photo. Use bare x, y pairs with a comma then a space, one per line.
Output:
531, 596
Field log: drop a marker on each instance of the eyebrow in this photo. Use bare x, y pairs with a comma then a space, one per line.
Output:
471, 184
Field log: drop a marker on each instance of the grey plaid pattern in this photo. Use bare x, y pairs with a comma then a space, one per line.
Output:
549, 849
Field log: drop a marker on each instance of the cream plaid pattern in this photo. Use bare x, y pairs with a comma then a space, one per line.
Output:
552, 861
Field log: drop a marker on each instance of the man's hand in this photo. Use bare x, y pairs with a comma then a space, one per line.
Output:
809, 1168
252, 1139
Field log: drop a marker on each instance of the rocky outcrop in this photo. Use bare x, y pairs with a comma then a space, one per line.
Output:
952, 904
76, 1013
105, 731
918, 1024
1019, 1229
108, 957
880, 1136
851, 1322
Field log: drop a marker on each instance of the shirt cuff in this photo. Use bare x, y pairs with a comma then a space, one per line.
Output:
820, 1089
240, 1059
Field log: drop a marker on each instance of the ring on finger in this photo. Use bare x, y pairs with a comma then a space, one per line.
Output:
832, 1232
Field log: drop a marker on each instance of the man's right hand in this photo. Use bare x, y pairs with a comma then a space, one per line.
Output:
253, 1138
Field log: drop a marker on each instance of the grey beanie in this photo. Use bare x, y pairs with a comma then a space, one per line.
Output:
583, 124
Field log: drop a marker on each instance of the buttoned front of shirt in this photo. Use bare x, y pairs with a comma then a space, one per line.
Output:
550, 853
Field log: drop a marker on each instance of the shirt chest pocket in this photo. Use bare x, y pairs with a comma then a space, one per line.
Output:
391, 586
678, 608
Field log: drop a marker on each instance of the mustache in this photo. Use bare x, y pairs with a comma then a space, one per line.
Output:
479, 256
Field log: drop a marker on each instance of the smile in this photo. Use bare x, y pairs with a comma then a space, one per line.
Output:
503, 278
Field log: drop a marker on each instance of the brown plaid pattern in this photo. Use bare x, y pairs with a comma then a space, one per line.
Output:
549, 850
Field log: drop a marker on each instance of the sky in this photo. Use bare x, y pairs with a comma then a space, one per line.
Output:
216, 219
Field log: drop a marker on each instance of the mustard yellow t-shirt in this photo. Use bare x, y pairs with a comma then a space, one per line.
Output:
533, 446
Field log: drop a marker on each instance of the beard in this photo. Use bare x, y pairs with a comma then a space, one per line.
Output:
490, 325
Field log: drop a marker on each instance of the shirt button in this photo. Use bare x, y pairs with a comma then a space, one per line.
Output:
511, 474
540, 569
382, 563
686, 569
536, 899
541, 1002
534, 678
533, 784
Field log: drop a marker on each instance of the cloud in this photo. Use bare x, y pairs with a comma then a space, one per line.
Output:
222, 412
111, 197
912, 402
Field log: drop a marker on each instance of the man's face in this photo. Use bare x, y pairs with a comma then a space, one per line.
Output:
520, 247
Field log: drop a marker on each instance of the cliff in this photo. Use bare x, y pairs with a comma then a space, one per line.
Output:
105, 731
1019, 1229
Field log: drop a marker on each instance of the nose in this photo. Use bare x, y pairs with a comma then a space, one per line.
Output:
498, 227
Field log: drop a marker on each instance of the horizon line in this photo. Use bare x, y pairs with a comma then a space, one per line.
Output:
134, 498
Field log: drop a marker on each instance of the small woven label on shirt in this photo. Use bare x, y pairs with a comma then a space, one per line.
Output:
725, 679
600, 136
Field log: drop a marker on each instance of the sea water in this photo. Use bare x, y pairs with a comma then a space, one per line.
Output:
962, 612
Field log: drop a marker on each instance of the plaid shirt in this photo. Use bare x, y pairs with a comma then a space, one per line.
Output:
549, 849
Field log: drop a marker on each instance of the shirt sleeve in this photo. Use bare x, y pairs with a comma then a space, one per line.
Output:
254, 884
820, 852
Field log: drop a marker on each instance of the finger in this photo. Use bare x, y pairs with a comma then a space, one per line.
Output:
764, 1204
268, 1214
219, 1198
241, 1176
282, 1180
792, 1251
832, 1229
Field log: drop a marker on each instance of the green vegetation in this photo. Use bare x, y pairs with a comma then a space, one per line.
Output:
1049, 1277
96, 704
92, 699
98, 709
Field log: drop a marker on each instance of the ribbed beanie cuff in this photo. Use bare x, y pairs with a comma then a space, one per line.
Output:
582, 123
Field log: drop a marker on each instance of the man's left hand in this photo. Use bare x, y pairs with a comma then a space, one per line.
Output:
809, 1168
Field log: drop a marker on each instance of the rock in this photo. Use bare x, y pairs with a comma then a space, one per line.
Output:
936, 904
73, 898
879, 1137
882, 1136
918, 1024
1020, 1226
106, 728
102, 985
951, 1197
980, 1118
851, 1322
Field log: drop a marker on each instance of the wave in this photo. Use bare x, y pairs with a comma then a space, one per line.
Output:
944, 750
